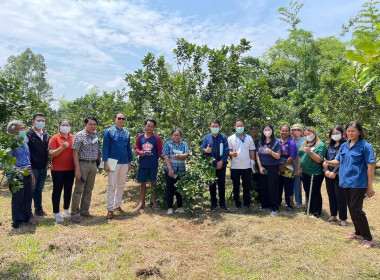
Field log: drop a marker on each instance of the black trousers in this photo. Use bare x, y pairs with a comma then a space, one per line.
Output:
22, 203
171, 191
62, 180
337, 200
269, 188
316, 196
354, 198
221, 182
245, 175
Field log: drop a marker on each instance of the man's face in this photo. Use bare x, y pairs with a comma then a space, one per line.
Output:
285, 133
38, 119
254, 130
91, 126
120, 120
149, 127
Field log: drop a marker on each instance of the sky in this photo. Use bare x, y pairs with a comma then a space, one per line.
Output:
89, 43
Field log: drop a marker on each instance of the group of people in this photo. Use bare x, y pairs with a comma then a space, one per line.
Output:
277, 165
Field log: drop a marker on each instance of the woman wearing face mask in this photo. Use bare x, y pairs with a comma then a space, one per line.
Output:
335, 193
311, 155
62, 168
268, 160
174, 152
22, 199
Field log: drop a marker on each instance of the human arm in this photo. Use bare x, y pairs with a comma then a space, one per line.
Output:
137, 147
169, 166
106, 146
78, 173
261, 168
54, 150
370, 176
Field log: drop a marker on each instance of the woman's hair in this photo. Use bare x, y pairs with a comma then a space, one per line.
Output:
341, 130
358, 126
316, 139
175, 130
286, 126
64, 120
12, 126
263, 137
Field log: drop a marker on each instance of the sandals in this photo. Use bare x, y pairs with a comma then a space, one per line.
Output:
343, 223
367, 244
353, 236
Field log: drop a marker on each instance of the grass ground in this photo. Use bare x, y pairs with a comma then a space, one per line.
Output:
218, 245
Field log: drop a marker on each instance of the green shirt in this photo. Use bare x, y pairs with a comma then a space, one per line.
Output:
308, 165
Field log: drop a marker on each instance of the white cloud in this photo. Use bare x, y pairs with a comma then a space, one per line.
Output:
118, 82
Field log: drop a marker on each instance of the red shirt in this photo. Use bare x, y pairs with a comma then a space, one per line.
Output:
64, 161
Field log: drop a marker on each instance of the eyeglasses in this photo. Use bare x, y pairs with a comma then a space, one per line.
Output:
121, 119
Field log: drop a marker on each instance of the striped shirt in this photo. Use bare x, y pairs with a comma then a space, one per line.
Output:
170, 149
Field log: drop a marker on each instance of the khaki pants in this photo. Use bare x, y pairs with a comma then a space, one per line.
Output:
81, 200
116, 183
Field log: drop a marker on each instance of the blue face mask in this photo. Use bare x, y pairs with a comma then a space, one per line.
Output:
214, 130
240, 129
40, 125
22, 134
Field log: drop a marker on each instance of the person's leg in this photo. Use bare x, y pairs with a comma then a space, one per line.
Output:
27, 181
67, 188
121, 180
306, 180
357, 213
221, 181
178, 196
169, 189
111, 188
40, 178
246, 182
280, 189
142, 178
88, 187
342, 206
272, 179
212, 189
297, 190
152, 175
18, 210
235, 177
263, 185
78, 190
316, 196
289, 190
332, 197
58, 177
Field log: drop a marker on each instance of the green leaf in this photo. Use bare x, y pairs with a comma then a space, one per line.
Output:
366, 46
355, 56
378, 97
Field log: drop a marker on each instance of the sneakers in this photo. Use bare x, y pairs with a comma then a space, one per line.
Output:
170, 211
274, 212
289, 208
41, 213
58, 218
66, 213
224, 207
181, 210
110, 215
75, 218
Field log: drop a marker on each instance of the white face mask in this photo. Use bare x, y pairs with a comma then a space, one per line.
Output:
64, 129
310, 137
336, 137
267, 133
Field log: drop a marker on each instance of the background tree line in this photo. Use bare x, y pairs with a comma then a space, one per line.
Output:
303, 79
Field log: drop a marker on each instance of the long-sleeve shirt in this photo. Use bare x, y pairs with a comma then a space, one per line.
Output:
117, 145
219, 147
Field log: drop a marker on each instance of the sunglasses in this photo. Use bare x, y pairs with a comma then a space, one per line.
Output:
121, 119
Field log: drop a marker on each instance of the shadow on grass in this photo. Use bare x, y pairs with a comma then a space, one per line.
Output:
18, 270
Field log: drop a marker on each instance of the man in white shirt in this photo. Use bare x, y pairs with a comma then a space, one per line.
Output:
242, 151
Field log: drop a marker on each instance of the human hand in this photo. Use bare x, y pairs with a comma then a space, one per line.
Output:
370, 191
142, 153
307, 150
78, 174
208, 149
332, 175
65, 145
234, 153
262, 170
171, 173
219, 164
268, 151
107, 167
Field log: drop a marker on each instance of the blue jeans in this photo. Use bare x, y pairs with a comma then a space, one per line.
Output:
297, 190
40, 177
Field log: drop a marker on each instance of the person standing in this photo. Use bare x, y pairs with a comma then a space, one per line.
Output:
242, 151
117, 146
149, 148
62, 169
268, 160
335, 193
86, 153
175, 153
255, 175
312, 153
356, 159
38, 143
297, 135
21, 199
286, 168
215, 145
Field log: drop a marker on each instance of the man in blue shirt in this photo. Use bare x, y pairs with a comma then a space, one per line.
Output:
117, 146
215, 145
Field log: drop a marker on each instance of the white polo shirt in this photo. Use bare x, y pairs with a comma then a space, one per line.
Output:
242, 147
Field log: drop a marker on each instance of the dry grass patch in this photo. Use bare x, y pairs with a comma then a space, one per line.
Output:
151, 245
